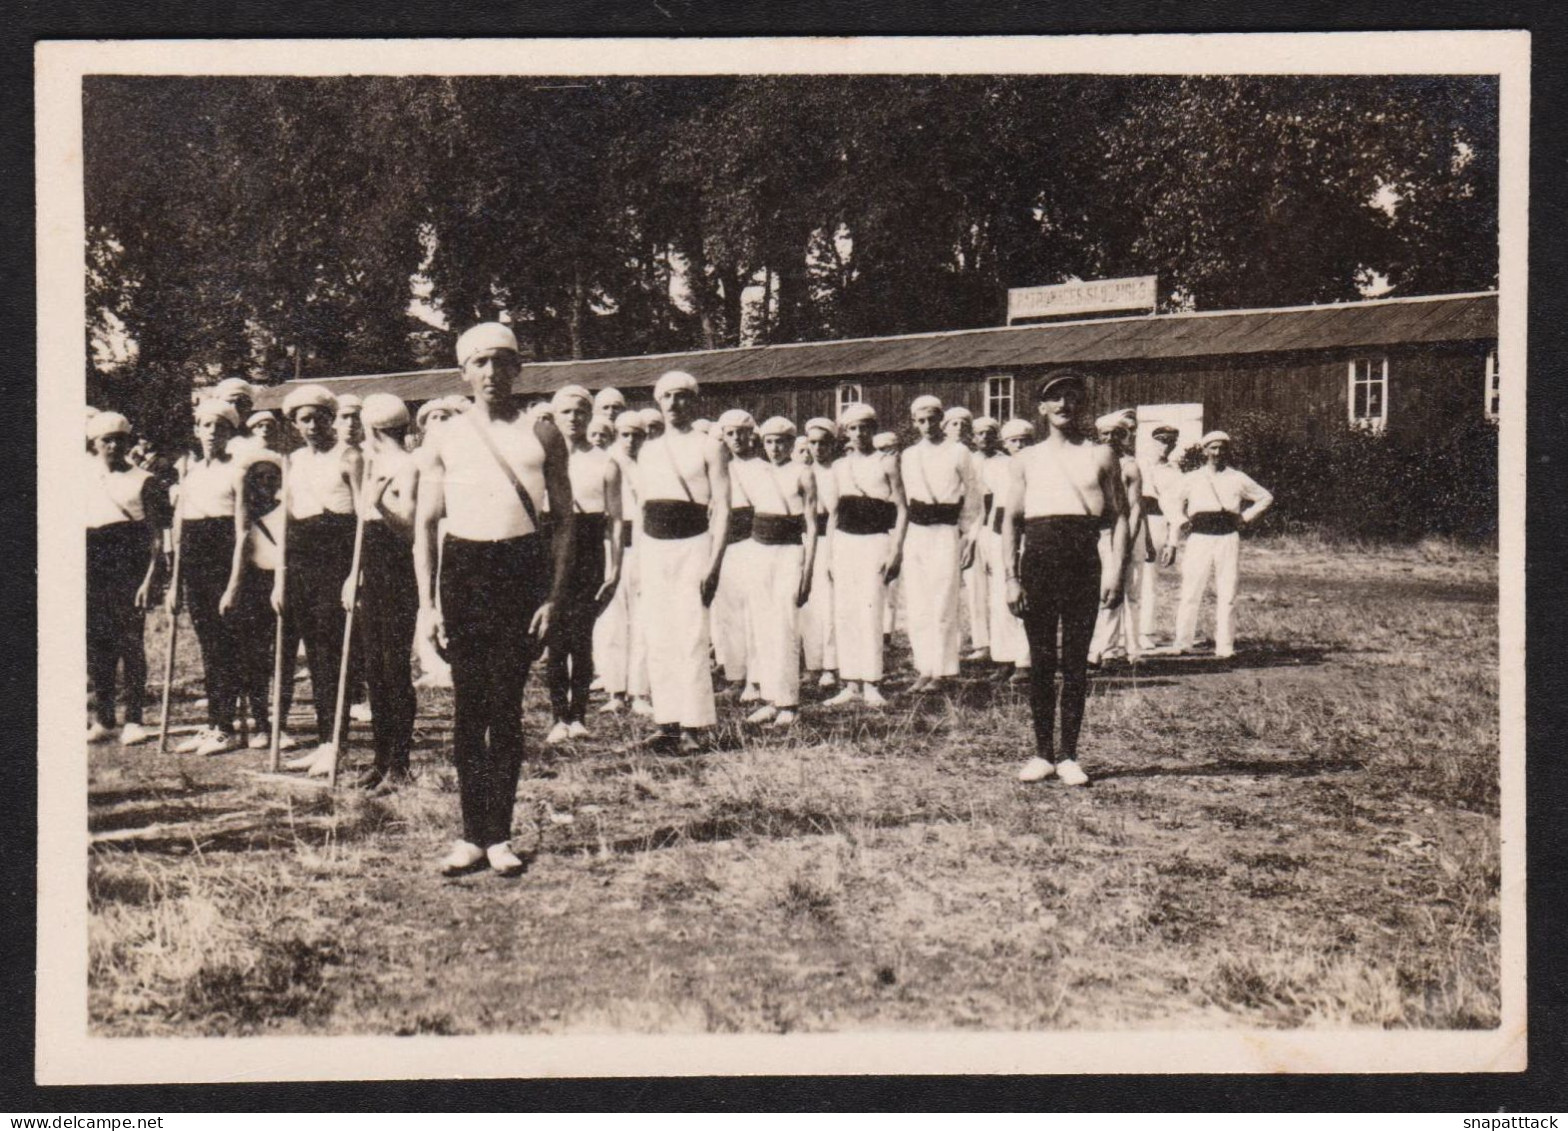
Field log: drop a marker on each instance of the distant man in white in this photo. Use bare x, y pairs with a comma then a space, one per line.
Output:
489, 471
1161, 491
944, 511
1062, 490
685, 482
870, 518
1217, 500
818, 645
734, 636
958, 425
887, 444
1009, 644
618, 647
784, 543
1117, 629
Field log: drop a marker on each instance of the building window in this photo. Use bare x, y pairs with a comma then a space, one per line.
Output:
1493, 389
1369, 393
999, 398
848, 393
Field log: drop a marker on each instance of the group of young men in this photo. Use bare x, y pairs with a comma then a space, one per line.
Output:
647, 552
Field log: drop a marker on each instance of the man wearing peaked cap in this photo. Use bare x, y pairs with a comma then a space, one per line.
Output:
1215, 502
869, 521
499, 581
784, 543
618, 644
126, 510
1064, 490
596, 497
683, 477
734, 634
944, 512
818, 642
1162, 479
1117, 629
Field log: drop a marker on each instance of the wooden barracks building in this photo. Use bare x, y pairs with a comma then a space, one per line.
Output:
1403, 365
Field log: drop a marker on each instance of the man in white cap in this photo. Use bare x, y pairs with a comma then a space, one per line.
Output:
819, 648
1016, 436
870, 518
499, 580
887, 444
126, 512
601, 432
958, 425
944, 509
1116, 632
784, 543
434, 671
388, 594
609, 403
683, 477
1061, 490
596, 574
652, 422
1216, 501
246, 604
617, 649
734, 636
983, 442
800, 451
1162, 479
322, 489
1009, 645
240, 395
266, 431
349, 428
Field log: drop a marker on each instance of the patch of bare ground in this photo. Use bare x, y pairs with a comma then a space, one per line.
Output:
1308, 837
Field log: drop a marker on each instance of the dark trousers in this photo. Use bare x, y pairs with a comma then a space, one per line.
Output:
206, 555
489, 593
384, 629
1060, 576
570, 666
253, 626
320, 552
116, 564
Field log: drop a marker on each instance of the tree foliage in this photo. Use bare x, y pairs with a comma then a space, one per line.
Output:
264, 225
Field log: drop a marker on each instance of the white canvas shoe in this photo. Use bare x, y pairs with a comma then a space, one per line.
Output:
559, 733
784, 720
752, 694
829, 679
308, 760
576, 730
872, 696
261, 740
360, 712
464, 857
134, 734
641, 706
190, 744
614, 707
846, 695
99, 733
1036, 769
217, 742
1071, 773
503, 861
763, 714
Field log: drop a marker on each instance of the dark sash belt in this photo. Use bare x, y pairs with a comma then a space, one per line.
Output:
933, 514
861, 514
740, 524
673, 519
626, 532
996, 518
1215, 522
1060, 525
1151, 505
778, 529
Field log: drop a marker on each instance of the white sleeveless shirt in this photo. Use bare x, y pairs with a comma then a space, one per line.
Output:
1049, 476
481, 505
115, 496
868, 475
665, 462
586, 470
208, 488
318, 484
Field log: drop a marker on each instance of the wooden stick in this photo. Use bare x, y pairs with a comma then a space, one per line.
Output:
339, 731
177, 530
274, 747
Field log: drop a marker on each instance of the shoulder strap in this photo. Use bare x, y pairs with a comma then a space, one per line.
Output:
1208, 477
1056, 457
919, 453
506, 468
773, 481
669, 454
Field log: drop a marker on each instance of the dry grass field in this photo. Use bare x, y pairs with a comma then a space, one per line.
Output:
1307, 838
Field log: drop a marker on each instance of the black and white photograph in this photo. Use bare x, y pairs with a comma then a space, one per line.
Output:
726, 556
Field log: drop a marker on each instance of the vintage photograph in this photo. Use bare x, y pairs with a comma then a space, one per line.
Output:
896, 552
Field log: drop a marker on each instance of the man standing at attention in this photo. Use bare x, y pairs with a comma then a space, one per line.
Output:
1161, 490
959, 426
944, 508
685, 484
817, 643
869, 522
617, 643
1216, 501
489, 472
734, 636
1061, 489
1009, 644
1118, 628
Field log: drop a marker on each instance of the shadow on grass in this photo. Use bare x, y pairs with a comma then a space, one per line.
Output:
1223, 767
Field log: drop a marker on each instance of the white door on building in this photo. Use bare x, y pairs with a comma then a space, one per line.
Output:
1185, 418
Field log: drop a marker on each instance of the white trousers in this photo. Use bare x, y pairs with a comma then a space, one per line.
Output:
977, 603
1221, 554
615, 648
1148, 575
733, 636
859, 603
1009, 643
676, 627
818, 642
1118, 625
931, 598
775, 572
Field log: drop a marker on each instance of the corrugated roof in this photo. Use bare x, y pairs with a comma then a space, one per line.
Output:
1430, 318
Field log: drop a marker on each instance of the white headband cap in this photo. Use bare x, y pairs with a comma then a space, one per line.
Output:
601, 422
736, 418
674, 379
485, 336
652, 416
608, 398
984, 422
855, 413
234, 385
920, 404
1123, 418
632, 419
777, 426
213, 409
351, 401
309, 396
259, 417
383, 410
568, 395
1015, 428
107, 424
957, 412
1210, 437
823, 423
